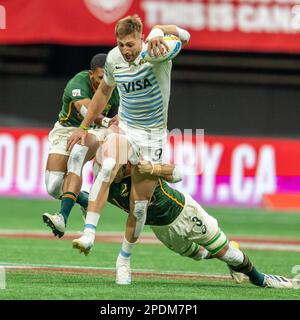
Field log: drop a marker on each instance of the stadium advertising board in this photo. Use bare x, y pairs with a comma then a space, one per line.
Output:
235, 25
237, 170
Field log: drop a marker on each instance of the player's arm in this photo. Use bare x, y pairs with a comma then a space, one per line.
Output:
82, 107
168, 172
182, 34
155, 37
97, 104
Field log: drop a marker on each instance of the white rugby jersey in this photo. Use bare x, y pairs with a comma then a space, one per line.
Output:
144, 89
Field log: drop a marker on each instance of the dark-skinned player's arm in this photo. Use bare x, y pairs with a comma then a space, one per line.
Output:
96, 106
82, 107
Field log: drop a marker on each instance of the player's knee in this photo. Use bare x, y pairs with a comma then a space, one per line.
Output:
104, 175
107, 169
76, 159
140, 213
54, 181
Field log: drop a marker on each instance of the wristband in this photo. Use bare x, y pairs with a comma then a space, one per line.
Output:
105, 122
83, 127
183, 34
177, 176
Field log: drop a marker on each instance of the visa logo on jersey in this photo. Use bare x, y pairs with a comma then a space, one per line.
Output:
136, 85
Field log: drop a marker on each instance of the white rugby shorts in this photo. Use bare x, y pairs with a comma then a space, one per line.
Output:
147, 144
193, 224
59, 135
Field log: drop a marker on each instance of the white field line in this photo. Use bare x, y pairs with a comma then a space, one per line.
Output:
269, 246
111, 270
258, 243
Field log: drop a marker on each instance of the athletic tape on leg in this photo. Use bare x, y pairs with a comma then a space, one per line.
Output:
233, 256
54, 181
96, 169
103, 176
140, 212
76, 159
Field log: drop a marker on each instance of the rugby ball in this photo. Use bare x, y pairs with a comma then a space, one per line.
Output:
174, 45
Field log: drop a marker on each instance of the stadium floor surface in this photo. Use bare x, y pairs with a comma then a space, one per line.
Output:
39, 266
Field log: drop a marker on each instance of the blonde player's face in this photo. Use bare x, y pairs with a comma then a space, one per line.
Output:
130, 46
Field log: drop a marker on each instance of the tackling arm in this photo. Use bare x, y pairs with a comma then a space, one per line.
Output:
168, 172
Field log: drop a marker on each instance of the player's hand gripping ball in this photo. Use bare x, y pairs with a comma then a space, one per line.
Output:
174, 45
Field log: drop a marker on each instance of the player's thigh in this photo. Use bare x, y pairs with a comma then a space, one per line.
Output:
95, 138
142, 185
58, 139
115, 146
93, 144
57, 162
172, 239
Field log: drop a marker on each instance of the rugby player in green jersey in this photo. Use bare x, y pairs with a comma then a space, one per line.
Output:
64, 168
183, 226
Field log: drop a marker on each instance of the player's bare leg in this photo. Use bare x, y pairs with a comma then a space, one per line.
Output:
56, 168
73, 181
111, 156
70, 192
141, 192
142, 189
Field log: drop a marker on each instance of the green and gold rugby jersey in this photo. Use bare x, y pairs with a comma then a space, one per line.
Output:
78, 88
165, 206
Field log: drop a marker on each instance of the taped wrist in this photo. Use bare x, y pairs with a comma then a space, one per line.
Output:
183, 34
176, 175
105, 122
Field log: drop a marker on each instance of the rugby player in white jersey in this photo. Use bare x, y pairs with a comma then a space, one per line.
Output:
144, 90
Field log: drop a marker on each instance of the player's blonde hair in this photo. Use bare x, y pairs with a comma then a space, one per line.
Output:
129, 25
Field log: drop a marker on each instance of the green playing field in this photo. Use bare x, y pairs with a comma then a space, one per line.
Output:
39, 268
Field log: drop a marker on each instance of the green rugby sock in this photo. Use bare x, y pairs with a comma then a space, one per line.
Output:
83, 199
256, 277
68, 200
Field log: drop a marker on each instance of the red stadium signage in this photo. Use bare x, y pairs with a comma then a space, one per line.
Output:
237, 170
235, 25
